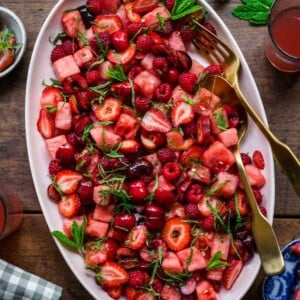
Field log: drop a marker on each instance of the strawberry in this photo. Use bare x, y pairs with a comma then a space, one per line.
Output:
122, 57
144, 6
258, 159
205, 291
68, 181
155, 120
94, 6
111, 23
129, 146
295, 248
69, 206
110, 110
177, 233
46, 123
136, 238
182, 113
175, 140
115, 292
231, 273
188, 81
112, 274
192, 155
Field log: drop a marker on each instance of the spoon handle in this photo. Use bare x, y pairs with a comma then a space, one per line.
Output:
263, 233
283, 154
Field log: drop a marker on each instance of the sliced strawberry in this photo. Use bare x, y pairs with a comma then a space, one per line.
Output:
258, 159
144, 6
152, 140
123, 57
69, 206
205, 291
131, 15
231, 273
115, 292
110, 110
203, 129
191, 155
111, 23
182, 113
67, 181
136, 238
46, 123
129, 146
126, 126
295, 249
112, 274
155, 120
175, 140
177, 233
50, 96
170, 292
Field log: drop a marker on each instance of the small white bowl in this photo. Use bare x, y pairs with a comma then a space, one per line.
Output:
9, 19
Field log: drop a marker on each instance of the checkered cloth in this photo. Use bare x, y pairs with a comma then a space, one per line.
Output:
16, 284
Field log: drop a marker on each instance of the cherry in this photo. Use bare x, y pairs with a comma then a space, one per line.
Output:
154, 223
164, 198
138, 168
119, 40
124, 220
138, 191
65, 153
85, 192
154, 211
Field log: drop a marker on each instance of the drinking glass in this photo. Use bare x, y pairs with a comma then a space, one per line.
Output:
11, 212
282, 44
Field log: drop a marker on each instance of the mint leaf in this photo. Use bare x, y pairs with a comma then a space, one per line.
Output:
254, 11
186, 12
183, 8
64, 239
117, 73
215, 261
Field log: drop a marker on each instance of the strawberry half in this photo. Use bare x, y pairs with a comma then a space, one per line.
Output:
177, 234
122, 57
182, 113
155, 120
144, 6
136, 238
113, 274
111, 23
258, 159
231, 273
69, 206
46, 123
68, 181
110, 110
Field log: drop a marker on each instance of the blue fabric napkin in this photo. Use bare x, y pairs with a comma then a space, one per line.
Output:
16, 284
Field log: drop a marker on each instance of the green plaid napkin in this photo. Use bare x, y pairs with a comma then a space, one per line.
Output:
16, 284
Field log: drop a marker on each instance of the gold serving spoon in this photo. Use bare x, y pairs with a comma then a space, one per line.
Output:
218, 52
265, 238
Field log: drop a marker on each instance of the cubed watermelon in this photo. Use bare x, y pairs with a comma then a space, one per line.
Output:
221, 242
83, 56
72, 23
98, 196
226, 184
103, 213
171, 263
147, 83
104, 136
54, 143
255, 176
65, 67
63, 116
96, 229
228, 137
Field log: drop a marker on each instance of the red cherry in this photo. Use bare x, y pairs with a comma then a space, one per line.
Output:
171, 171
85, 192
138, 191
154, 211
119, 40
164, 198
111, 248
154, 223
124, 220
65, 153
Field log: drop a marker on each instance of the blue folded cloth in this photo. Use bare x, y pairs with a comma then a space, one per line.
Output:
16, 284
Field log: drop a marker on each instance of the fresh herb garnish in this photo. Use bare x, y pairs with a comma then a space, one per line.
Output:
117, 73
183, 8
254, 11
215, 262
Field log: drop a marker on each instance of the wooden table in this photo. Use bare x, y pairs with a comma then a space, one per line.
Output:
32, 247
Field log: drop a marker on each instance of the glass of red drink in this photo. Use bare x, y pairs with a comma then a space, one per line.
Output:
11, 212
282, 45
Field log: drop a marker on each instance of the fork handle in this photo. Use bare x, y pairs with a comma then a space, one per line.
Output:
283, 154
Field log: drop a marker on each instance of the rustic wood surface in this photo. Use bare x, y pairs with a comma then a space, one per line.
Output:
32, 247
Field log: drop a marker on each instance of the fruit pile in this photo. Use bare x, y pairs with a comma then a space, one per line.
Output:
141, 166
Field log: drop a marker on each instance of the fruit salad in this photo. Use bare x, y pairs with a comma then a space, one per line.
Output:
140, 155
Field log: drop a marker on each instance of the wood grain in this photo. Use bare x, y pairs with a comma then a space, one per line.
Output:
32, 247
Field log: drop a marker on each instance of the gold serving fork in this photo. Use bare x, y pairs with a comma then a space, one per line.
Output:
218, 52
263, 233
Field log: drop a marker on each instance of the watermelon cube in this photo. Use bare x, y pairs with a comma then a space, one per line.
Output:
192, 259
205, 290
104, 135
72, 23
96, 229
83, 56
151, 17
103, 213
63, 116
205, 98
255, 176
98, 196
200, 173
147, 83
171, 263
221, 242
54, 143
67, 224
196, 68
179, 95
228, 137
147, 62
175, 41
65, 67
226, 184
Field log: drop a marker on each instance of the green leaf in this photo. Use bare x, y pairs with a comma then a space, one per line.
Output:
215, 261
64, 239
183, 8
186, 12
117, 73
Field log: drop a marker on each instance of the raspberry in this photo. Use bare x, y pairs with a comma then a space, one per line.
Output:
54, 167
157, 285
91, 95
258, 159
187, 34
134, 71
75, 140
144, 43
188, 81
166, 155
213, 69
57, 53
246, 159
101, 41
190, 130
192, 210
142, 104
208, 223
69, 47
133, 28
263, 210
164, 29
94, 6
210, 27
82, 100
169, 4
163, 92
92, 77
194, 193
108, 163
171, 171
160, 66
258, 196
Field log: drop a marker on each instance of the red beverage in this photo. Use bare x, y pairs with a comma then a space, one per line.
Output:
282, 47
285, 30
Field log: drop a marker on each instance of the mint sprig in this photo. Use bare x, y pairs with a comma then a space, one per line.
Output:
183, 8
254, 11
215, 262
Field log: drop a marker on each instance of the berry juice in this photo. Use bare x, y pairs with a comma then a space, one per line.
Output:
282, 46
